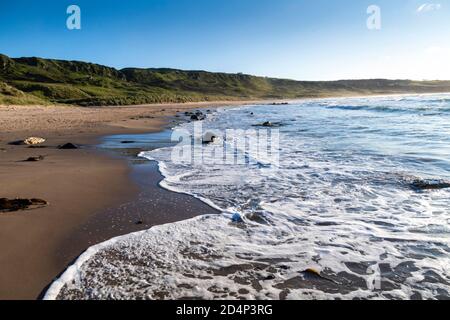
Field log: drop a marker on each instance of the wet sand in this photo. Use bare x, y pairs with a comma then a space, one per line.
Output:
93, 194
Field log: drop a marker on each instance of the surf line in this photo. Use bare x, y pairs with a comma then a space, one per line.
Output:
193, 311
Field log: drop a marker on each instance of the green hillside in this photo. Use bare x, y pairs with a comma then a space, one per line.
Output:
45, 81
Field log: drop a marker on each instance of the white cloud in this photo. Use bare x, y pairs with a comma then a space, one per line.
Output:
427, 7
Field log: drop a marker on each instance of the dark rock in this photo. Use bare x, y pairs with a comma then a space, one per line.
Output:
127, 142
35, 159
7, 205
268, 124
68, 146
429, 185
198, 117
16, 143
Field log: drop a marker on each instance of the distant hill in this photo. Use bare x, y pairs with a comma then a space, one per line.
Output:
45, 81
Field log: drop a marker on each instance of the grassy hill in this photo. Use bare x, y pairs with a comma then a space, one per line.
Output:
45, 81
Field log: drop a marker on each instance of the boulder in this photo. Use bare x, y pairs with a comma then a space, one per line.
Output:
7, 205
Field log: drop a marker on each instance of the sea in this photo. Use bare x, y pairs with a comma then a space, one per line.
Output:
330, 199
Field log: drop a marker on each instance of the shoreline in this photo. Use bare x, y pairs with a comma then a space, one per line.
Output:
94, 194
87, 189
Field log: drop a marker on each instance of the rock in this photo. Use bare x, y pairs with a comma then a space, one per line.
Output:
127, 142
68, 146
429, 185
209, 137
35, 159
33, 141
196, 117
268, 124
7, 205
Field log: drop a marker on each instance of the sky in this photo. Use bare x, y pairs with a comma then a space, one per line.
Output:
296, 39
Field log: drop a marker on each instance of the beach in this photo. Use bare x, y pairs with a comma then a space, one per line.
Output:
330, 214
84, 187
342, 199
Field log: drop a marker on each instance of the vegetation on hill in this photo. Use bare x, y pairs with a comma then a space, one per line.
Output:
45, 81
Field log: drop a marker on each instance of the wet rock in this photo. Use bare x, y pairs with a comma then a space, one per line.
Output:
268, 124
258, 217
35, 159
7, 205
127, 142
68, 146
209, 137
198, 117
429, 185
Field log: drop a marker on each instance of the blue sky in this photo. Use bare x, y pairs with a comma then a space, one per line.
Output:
298, 39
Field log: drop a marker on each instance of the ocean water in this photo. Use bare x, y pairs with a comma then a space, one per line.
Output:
353, 207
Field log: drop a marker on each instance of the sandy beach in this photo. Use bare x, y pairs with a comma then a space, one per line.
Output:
84, 187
